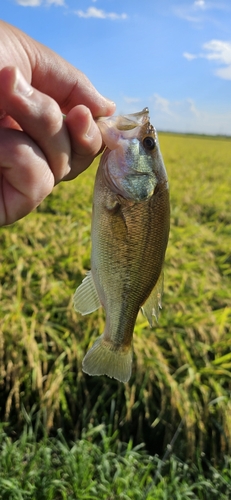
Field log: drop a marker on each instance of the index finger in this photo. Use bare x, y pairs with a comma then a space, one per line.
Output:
48, 72
67, 85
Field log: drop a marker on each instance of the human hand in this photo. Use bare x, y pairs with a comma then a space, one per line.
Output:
38, 148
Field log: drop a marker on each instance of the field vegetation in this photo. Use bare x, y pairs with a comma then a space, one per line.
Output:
177, 404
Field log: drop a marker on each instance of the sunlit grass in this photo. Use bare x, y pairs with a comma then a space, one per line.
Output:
182, 367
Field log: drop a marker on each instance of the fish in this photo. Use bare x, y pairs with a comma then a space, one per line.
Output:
129, 233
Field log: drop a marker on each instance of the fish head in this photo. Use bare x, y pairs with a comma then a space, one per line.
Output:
132, 163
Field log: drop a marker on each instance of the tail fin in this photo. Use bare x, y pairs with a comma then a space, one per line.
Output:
101, 360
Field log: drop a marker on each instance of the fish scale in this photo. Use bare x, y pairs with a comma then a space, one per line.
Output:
129, 240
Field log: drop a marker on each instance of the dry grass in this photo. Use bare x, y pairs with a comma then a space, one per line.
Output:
182, 368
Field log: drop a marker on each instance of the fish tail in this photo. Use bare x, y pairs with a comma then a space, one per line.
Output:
102, 359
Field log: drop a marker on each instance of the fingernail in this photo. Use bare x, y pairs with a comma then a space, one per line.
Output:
111, 104
21, 86
92, 130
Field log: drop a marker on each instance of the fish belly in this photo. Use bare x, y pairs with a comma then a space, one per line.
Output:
128, 247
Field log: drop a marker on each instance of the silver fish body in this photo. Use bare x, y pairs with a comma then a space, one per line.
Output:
130, 228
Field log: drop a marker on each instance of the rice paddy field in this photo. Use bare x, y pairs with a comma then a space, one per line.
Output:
166, 434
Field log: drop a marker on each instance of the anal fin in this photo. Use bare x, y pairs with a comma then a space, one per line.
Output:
86, 299
152, 305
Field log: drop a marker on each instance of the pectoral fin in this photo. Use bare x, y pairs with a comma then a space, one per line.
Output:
86, 299
152, 305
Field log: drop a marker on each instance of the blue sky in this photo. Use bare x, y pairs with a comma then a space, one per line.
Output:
172, 56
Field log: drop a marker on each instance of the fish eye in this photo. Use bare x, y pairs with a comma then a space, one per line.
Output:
149, 143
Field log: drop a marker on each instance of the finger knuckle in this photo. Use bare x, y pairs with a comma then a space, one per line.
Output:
52, 117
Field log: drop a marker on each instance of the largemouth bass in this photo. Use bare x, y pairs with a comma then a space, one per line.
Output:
130, 229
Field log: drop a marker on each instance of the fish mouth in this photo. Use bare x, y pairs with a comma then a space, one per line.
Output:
129, 122
124, 127
125, 122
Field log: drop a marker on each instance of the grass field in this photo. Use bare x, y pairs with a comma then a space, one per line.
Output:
182, 367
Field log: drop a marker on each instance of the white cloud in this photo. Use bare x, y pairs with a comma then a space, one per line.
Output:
131, 100
185, 116
100, 14
192, 107
56, 2
218, 51
29, 3
195, 12
189, 56
224, 73
183, 12
37, 3
199, 4
162, 104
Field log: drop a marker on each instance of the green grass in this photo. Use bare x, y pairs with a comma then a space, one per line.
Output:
182, 367
52, 469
